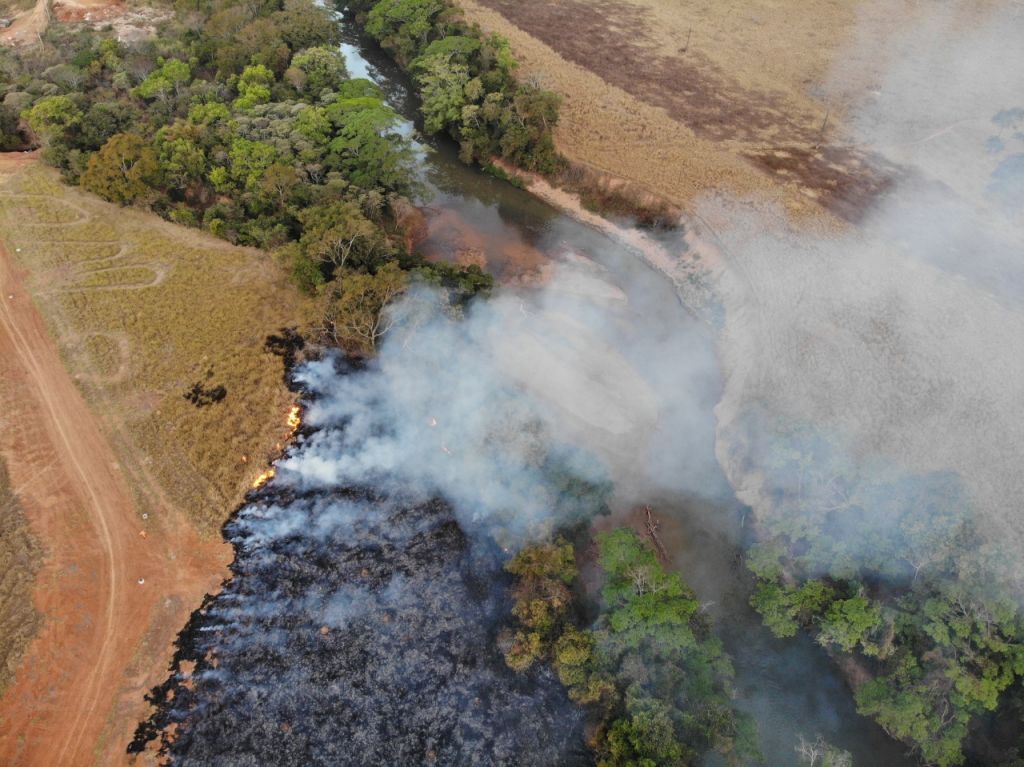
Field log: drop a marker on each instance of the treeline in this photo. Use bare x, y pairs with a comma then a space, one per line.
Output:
240, 117
889, 570
466, 83
653, 676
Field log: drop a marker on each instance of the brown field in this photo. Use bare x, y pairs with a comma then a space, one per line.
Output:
142, 311
30, 21
109, 317
130, 22
687, 99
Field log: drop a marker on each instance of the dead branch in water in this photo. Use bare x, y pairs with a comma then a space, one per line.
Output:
652, 530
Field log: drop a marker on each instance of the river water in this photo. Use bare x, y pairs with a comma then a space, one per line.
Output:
789, 686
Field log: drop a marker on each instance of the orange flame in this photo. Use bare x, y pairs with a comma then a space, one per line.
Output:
263, 478
294, 422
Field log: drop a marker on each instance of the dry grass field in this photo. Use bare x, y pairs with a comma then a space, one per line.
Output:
138, 404
143, 311
689, 99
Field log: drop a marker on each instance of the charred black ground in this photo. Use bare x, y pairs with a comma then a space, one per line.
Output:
358, 628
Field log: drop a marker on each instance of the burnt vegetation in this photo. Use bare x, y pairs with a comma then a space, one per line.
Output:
357, 628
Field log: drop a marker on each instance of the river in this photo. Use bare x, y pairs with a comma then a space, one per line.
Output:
791, 687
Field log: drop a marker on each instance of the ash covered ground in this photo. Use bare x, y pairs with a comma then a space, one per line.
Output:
359, 627
360, 630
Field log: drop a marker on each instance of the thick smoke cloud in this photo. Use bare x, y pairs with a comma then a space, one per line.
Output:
901, 341
494, 410
361, 623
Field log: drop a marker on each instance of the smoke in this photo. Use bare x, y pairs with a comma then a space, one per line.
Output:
361, 622
519, 413
901, 342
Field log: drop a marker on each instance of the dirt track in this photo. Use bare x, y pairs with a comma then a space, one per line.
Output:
106, 638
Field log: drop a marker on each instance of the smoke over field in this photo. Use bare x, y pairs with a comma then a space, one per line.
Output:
361, 625
903, 341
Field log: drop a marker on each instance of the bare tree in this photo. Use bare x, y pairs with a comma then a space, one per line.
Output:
819, 753
358, 311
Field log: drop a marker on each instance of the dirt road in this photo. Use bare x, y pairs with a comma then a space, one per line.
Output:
106, 635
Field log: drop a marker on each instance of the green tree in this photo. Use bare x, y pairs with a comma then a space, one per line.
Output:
338, 234
51, 117
304, 24
579, 669
124, 170
253, 87
365, 146
655, 642
249, 160
644, 737
165, 81
849, 622
442, 81
182, 160
304, 271
316, 70
403, 27
786, 608
543, 574
646, 607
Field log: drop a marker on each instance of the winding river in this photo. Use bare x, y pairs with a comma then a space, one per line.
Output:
791, 687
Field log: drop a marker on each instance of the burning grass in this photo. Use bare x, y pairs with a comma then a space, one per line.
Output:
142, 311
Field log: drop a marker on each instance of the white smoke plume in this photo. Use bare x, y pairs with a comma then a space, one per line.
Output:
514, 411
901, 340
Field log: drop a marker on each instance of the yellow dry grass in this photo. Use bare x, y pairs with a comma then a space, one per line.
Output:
142, 310
694, 98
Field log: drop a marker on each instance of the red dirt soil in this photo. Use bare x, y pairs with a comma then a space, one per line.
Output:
106, 639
